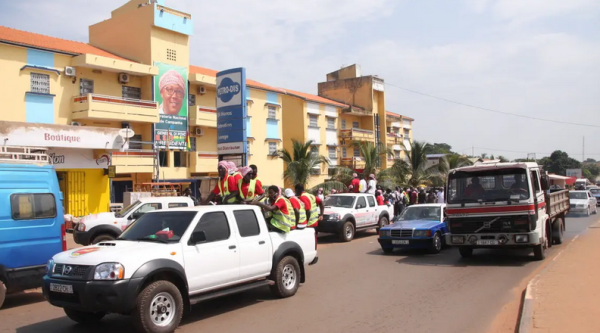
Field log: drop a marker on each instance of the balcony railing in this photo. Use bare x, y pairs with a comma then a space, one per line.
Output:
95, 106
393, 138
357, 112
357, 134
204, 162
203, 116
141, 161
353, 162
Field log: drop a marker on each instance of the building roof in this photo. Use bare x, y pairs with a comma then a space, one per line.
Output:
203, 71
25, 38
394, 114
315, 98
249, 82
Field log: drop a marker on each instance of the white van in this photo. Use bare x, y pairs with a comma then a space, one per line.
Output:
108, 226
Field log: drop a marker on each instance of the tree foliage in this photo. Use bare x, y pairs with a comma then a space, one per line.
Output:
441, 148
300, 162
558, 162
371, 155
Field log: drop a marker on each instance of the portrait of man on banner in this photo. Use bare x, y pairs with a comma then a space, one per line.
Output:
170, 91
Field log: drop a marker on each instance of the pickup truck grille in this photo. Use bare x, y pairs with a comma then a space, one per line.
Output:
402, 232
469, 225
573, 206
75, 271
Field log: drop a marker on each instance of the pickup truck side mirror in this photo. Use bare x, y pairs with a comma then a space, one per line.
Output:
134, 216
197, 237
544, 183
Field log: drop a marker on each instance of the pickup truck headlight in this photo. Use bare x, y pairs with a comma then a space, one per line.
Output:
422, 233
109, 271
81, 226
334, 216
50, 266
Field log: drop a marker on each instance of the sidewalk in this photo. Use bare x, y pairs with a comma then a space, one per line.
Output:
566, 294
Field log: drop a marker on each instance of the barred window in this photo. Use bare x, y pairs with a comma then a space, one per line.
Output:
312, 121
131, 92
330, 123
332, 152
272, 148
40, 83
272, 112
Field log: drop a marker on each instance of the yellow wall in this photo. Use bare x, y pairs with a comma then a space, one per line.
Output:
162, 39
208, 99
270, 169
14, 82
126, 34
94, 195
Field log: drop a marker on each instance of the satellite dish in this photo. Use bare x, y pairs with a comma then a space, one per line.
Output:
126, 132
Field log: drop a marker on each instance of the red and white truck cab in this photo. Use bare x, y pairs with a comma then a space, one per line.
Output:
504, 205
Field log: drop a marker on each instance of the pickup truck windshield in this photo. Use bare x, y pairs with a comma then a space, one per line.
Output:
417, 212
343, 201
577, 195
162, 227
488, 185
595, 190
127, 209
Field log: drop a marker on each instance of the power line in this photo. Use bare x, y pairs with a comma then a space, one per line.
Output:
491, 110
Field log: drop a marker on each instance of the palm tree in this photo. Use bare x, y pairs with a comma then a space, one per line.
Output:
449, 162
416, 166
300, 162
371, 154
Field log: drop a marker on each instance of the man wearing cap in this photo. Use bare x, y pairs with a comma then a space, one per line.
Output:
247, 186
311, 205
226, 186
299, 210
172, 90
355, 183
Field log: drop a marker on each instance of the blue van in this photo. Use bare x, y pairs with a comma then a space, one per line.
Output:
32, 228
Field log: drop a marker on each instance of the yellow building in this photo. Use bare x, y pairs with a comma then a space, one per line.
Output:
398, 133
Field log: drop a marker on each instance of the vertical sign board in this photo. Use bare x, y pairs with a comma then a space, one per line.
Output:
231, 113
170, 91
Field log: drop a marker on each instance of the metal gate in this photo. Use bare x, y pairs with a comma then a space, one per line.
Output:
75, 203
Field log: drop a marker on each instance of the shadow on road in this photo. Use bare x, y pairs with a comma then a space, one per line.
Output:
22, 299
451, 258
331, 238
118, 323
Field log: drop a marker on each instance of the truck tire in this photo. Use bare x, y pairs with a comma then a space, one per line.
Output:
436, 244
347, 233
383, 221
539, 252
287, 277
102, 238
465, 252
158, 308
2, 293
84, 317
558, 230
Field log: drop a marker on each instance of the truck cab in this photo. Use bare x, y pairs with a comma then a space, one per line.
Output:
32, 228
504, 205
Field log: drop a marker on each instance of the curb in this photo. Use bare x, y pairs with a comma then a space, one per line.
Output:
526, 317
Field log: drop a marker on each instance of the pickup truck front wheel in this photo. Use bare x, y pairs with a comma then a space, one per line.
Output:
2, 293
287, 277
159, 308
102, 238
347, 233
84, 317
383, 221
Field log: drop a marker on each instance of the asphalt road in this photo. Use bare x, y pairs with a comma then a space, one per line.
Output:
354, 288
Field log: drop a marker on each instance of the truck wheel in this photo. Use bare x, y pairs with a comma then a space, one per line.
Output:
2, 293
383, 221
436, 244
465, 252
84, 317
159, 308
558, 231
347, 233
287, 277
539, 252
102, 238
588, 213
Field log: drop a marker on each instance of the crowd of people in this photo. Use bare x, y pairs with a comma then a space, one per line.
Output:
287, 209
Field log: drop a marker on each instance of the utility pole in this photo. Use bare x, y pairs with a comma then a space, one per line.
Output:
583, 151
472, 151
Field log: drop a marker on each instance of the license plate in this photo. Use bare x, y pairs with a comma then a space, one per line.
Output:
487, 242
61, 288
400, 242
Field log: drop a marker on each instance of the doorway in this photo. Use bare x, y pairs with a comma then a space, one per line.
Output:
72, 185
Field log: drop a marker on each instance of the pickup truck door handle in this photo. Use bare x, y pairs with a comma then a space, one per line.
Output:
261, 242
231, 247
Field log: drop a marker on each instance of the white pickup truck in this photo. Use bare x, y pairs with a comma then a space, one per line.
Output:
350, 212
96, 228
169, 260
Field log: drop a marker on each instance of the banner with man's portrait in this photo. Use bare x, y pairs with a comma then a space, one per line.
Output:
171, 93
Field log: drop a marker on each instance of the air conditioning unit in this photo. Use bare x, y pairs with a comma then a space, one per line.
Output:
191, 100
70, 71
75, 123
201, 90
123, 78
199, 131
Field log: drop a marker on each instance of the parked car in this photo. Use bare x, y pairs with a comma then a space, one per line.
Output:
583, 202
96, 228
596, 194
169, 260
418, 226
32, 228
347, 213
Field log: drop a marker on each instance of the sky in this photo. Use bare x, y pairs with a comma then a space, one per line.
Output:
534, 58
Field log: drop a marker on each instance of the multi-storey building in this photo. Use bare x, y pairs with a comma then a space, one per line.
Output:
105, 112
398, 134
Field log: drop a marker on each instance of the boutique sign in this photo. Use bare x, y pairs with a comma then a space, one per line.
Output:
231, 111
